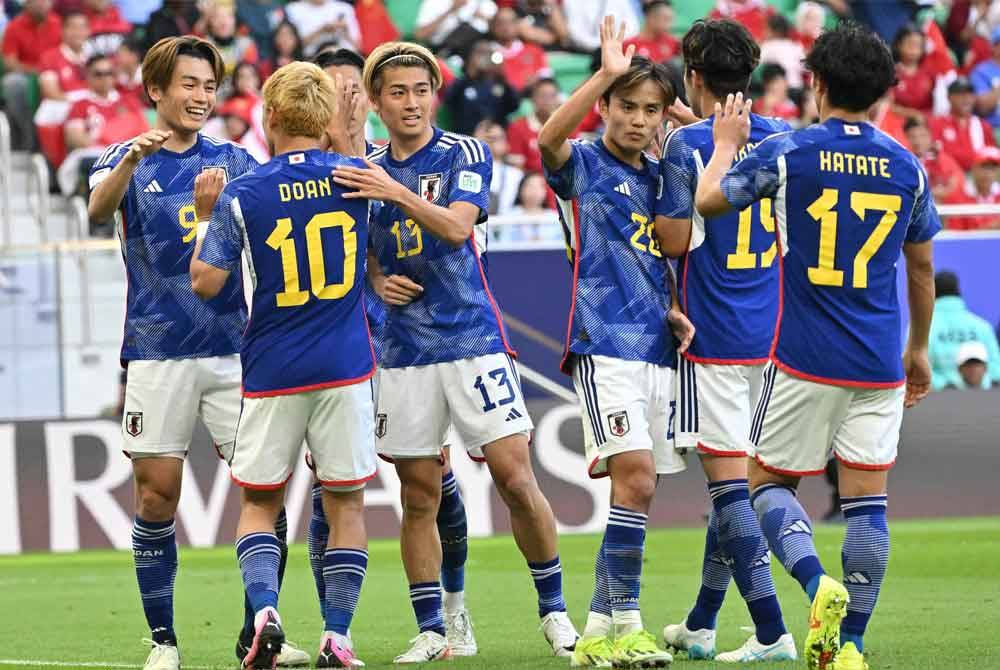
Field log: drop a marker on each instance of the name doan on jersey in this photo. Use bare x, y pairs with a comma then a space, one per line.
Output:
306, 190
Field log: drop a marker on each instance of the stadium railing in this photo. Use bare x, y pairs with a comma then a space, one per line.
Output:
39, 197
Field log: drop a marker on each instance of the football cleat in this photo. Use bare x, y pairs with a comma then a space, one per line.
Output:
267, 640
336, 651
591, 652
290, 657
458, 630
849, 658
428, 646
638, 650
827, 611
699, 644
752, 650
162, 657
560, 633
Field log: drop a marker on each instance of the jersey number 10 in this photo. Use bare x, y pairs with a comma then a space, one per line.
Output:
279, 240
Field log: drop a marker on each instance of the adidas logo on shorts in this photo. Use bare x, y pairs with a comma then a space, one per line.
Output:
513, 414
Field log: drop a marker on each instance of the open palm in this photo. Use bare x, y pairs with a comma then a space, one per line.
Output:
615, 59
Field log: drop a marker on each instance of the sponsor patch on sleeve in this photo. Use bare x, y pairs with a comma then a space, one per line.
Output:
470, 181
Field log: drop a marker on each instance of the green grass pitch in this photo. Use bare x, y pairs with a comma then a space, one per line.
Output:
940, 607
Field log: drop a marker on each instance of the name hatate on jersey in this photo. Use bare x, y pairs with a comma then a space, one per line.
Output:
157, 225
728, 279
846, 198
620, 292
456, 316
307, 248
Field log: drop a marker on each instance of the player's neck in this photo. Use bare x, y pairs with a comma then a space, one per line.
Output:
843, 115
404, 147
631, 158
284, 145
179, 140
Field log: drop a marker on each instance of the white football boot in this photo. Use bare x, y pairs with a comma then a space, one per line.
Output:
458, 630
162, 657
752, 650
560, 633
428, 646
699, 644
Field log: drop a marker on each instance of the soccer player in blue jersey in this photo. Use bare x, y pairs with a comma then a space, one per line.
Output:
728, 285
307, 354
619, 347
181, 353
398, 290
447, 358
847, 200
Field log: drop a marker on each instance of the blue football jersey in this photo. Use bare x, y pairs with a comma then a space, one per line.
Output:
846, 198
620, 291
375, 309
456, 317
307, 248
728, 279
157, 225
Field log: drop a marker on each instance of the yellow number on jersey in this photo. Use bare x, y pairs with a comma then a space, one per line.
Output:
187, 216
646, 230
414, 231
279, 240
744, 259
822, 210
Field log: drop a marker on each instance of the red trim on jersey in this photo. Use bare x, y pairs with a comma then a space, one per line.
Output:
865, 466
791, 473
476, 459
128, 289
489, 295
724, 361
590, 470
781, 289
312, 387
348, 482
835, 382
260, 487
576, 277
716, 452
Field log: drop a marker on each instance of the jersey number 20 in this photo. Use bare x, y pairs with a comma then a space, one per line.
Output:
279, 240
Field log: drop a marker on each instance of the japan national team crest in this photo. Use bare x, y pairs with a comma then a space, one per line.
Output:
225, 171
430, 186
618, 422
381, 424
133, 423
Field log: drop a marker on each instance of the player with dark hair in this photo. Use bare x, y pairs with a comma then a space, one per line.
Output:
181, 354
619, 349
847, 200
450, 347
729, 289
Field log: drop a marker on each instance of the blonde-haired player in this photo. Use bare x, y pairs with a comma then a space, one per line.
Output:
307, 354
447, 358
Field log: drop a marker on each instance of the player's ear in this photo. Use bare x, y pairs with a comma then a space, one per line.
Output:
603, 106
155, 94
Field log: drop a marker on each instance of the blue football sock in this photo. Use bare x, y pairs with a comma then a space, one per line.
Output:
789, 533
744, 545
715, 576
426, 600
453, 529
154, 549
624, 540
259, 555
343, 573
548, 582
865, 556
281, 532
319, 534
600, 603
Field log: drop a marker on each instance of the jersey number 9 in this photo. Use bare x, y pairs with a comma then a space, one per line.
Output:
279, 240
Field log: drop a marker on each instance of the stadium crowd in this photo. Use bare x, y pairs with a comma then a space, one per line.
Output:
72, 86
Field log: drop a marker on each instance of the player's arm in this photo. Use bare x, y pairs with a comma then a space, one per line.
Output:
730, 131
920, 291
208, 278
680, 325
393, 289
553, 139
107, 194
674, 203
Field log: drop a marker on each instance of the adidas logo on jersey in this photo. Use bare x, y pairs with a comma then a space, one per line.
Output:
857, 578
797, 527
623, 188
513, 414
153, 187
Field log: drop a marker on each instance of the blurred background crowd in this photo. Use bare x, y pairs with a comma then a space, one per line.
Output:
72, 80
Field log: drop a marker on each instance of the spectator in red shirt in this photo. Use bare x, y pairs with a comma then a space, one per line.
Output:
107, 26
522, 134
913, 95
102, 118
782, 48
523, 62
945, 175
128, 60
982, 188
655, 41
753, 14
961, 134
62, 68
286, 46
35, 30
775, 101
810, 17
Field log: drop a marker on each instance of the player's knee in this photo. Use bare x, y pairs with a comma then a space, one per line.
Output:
156, 503
420, 501
518, 489
635, 491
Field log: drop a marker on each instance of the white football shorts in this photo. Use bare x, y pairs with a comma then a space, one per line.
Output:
799, 424
164, 398
626, 406
481, 397
336, 425
714, 406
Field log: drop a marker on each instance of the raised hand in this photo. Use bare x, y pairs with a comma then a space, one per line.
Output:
615, 59
732, 121
148, 143
207, 187
681, 114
